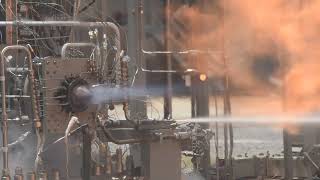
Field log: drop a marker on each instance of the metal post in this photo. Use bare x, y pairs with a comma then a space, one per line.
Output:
193, 98
5, 171
202, 104
140, 32
227, 109
168, 90
200, 108
10, 16
134, 51
287, 150
86, 153
139, 106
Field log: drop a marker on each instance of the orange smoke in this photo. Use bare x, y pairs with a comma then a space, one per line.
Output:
287, 29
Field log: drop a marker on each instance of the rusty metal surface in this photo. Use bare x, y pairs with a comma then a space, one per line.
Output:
55, 72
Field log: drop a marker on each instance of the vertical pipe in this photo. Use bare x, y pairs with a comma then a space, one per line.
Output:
108, 162
5, 170
217, 152
231, 150
10, 16
76, 7
168, 90
227, 106
139, 13
193, 96
56, 175
138, 107
18, 174
86, 154
287, 150
119, 161
31, 176
225, 126
217, 138
226, 149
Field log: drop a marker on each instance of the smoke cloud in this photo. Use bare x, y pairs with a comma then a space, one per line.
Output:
265, 42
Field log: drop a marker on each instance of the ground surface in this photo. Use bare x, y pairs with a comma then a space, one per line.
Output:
248, 139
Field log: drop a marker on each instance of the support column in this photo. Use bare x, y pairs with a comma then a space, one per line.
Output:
200, 108
137, 108
11, 12
168, 90
135, 44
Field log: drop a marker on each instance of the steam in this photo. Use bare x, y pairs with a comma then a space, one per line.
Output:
102, 94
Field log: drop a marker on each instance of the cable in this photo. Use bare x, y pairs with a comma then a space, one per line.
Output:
32, 32
87, 6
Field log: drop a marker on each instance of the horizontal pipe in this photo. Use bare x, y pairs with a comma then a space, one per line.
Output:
262, 119
16, 96
190, 51
17, 70
55, 23
150, 138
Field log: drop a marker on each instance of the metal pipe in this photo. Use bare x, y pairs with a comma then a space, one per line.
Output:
17, 70
183, 52
18, 174
227, 103
57, 23
31, 176
5, 171
56, 175
68, 45
35, 108
108, 162
311, 161
11, 14
231, 149
4, 110
125, 84
168, 91
119, 161
16, 96
140, 32
86, 154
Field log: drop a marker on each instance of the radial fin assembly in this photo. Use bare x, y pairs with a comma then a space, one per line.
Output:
73, 95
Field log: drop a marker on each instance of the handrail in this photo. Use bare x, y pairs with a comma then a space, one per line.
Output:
35, 109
